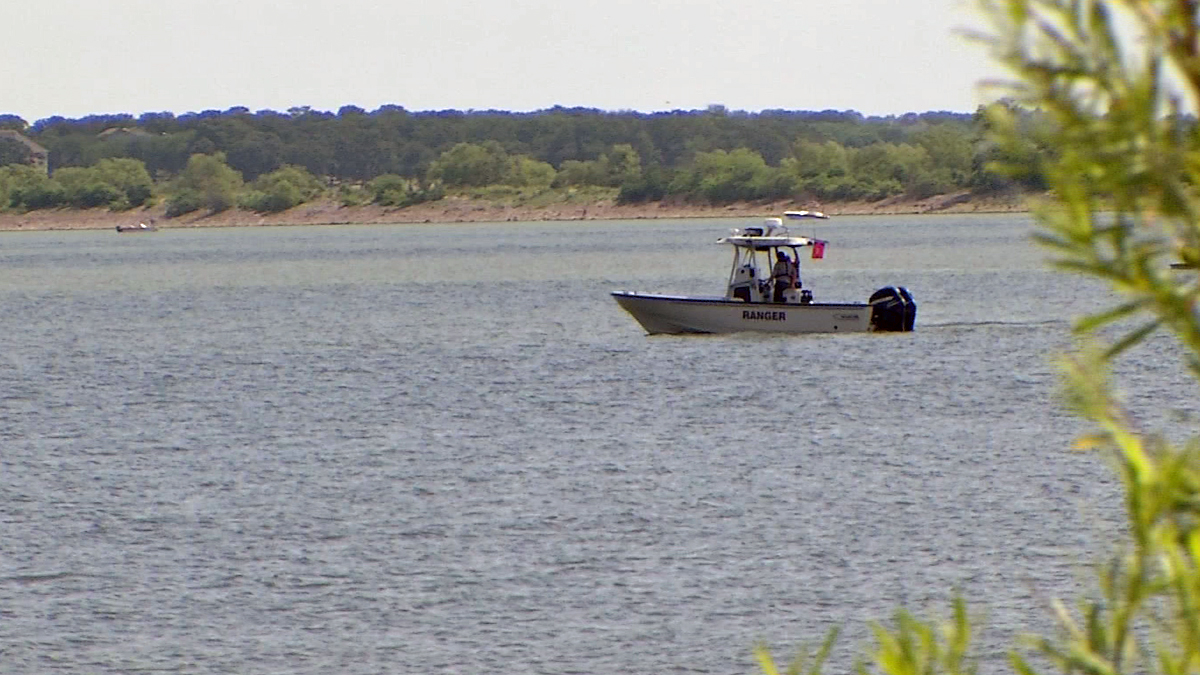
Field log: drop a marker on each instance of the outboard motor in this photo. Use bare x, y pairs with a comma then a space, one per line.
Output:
893, 309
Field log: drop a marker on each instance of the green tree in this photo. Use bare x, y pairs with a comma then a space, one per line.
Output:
888, 161
12, 122
394, 190
362, 149
471, 165
129, 177
42, 193
1113, 84
119, 183
206, 182
166, 153
525, 171
722, 177
823, 170
811, 159
13, 151
70, 149
621, 164
950, 147
15, 180
255, 154
83, 189
282, 189
389, 190
575, 172
650, 185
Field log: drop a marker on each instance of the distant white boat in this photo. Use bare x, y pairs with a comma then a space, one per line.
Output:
772, 302
140, 227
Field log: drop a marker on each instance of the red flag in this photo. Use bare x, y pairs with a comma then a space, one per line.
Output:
818, 249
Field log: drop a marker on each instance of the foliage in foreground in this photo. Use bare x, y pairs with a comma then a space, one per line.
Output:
1113, 79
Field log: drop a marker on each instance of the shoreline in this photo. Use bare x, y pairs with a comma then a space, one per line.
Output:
464, 210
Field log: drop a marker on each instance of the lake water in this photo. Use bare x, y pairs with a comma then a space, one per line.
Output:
445, 449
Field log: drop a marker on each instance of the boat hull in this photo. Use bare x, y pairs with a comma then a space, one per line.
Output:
669, 314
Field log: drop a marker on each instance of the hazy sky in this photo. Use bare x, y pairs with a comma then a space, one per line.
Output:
72, 58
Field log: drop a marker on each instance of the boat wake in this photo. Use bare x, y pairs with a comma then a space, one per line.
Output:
1012, 324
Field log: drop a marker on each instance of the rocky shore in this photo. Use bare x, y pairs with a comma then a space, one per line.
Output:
462, 210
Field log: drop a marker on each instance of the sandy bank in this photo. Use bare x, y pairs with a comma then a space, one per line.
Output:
460, 210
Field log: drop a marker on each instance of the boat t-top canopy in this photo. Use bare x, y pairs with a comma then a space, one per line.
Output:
772, 233
761, 242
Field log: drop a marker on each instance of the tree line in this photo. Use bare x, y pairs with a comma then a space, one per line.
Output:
270, 161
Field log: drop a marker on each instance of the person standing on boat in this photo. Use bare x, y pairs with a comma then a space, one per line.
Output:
781, 274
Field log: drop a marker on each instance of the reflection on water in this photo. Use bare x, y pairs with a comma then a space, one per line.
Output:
444, 448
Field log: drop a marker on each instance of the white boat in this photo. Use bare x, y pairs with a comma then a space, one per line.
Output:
774, 301
140, 227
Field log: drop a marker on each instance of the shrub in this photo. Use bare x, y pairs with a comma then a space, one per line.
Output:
576, 172
850, 188
526, 172
928, 183
115, 183
184, 201
352, 195
280, 198
127, 176
389, 189
13, 151
282, 189
723, 177
16, 177
393, 190
775, 184
207, 179
650, 185
94, 194
471, 165
45, 196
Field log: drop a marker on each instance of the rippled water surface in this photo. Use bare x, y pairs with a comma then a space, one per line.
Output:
445, 449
